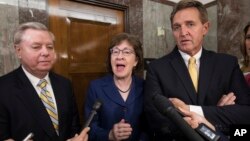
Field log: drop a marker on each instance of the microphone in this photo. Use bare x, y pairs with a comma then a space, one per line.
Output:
160, 103
95, 107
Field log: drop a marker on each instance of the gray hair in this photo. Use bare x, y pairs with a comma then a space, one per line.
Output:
183, 4
29, 25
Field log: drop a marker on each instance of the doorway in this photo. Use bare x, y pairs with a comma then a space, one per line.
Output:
83, 31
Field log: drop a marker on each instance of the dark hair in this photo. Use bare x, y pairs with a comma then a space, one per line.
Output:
243, 46
183, 4
18, 36
134, 42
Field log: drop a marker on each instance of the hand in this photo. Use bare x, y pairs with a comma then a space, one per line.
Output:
120, 131
82, 137
194, 119
179, 104
228, 99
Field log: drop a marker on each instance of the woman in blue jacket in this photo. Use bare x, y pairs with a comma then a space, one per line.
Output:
121, 93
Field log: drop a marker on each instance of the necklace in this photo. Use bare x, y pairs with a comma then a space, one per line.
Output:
125, 90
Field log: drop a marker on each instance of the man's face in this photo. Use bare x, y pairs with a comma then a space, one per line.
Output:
36, 52
188, 30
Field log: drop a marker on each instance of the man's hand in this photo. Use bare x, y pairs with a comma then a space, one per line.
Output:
228, 99
82, 137
194, 119
179, 104
120, 131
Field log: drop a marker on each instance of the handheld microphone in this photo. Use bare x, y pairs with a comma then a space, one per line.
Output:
95, 107
160, 103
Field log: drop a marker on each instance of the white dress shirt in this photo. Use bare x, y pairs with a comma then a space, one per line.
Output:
34, 81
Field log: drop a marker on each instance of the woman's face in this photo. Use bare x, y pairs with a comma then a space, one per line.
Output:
247, 41
123, 60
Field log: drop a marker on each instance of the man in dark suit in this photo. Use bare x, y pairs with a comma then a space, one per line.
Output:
45, 108
199, 85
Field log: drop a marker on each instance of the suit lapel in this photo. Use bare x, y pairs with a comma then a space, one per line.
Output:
135, 92
205, 74
110, 91
182, 72
33, 103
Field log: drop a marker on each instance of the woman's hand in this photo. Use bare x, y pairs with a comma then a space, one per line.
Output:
120, 131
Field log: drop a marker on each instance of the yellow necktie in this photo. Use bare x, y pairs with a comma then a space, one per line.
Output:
193, 72
48, 103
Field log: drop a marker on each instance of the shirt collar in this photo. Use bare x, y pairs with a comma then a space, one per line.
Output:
186, 56
34, 80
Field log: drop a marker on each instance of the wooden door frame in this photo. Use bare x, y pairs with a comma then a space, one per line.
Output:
104, 4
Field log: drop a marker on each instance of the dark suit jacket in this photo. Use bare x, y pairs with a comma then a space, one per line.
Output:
22, 111
113, 107
219, 74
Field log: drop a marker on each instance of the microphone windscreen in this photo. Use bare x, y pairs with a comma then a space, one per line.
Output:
97, 104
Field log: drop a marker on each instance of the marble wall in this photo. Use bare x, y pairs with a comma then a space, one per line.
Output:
157, 32
9, 20
232, 17
210, 41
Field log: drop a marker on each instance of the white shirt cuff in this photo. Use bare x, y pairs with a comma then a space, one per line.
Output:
196, 109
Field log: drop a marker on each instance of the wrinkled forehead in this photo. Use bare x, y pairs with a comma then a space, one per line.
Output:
34, 34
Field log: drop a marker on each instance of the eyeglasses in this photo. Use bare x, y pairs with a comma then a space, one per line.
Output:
125, 52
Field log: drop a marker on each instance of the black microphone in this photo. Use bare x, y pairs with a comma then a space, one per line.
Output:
95, 107
160, 103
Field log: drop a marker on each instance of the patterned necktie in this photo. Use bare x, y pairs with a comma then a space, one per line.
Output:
193, 72
48, 103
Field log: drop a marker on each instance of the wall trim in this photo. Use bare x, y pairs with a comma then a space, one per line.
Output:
104, 4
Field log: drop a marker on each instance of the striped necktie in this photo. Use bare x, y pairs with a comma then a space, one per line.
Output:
48, 103
193, 72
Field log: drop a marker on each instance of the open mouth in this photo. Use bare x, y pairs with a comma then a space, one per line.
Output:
120, 67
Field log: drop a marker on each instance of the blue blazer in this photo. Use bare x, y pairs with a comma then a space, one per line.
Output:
114, 108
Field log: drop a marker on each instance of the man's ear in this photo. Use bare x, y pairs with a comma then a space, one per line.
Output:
18, 51
206, 28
